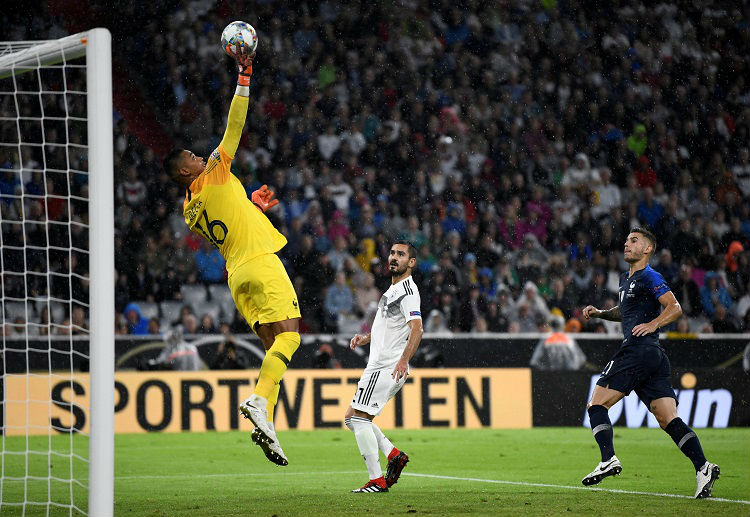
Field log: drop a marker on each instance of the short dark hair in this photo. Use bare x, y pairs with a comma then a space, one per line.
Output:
171, 163
646, 233
410, 246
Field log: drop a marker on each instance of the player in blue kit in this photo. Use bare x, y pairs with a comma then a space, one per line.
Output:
641, 364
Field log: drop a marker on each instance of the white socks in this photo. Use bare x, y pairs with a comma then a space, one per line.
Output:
384, 444
368, 445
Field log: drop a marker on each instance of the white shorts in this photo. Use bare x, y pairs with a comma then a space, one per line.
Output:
374, 389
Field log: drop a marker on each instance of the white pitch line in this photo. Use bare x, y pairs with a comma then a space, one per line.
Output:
569, 487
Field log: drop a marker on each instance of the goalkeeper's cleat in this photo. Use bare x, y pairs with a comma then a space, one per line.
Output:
373, 486
611, 467
254, 409
395, 466
705, 478
272, 450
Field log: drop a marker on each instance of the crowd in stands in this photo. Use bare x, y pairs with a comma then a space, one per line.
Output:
513, 143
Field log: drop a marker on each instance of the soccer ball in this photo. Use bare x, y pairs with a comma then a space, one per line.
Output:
237, 35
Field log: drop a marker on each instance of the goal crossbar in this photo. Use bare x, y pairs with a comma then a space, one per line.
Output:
40, 53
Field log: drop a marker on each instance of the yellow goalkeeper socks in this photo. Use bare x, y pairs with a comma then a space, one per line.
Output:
272, 399
275, 363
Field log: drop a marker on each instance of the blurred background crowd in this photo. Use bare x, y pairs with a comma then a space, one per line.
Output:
513, 143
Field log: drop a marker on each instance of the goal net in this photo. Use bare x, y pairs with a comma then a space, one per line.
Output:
56, 276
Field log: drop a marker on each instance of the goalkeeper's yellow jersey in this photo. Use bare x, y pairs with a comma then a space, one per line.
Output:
216, 207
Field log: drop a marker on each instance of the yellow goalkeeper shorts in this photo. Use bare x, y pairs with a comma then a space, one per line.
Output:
263, 292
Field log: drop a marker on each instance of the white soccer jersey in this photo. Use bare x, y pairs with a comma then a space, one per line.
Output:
390, 331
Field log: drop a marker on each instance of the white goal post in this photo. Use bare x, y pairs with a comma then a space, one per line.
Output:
23, 63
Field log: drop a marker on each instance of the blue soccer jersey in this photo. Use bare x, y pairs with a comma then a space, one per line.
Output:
639, 303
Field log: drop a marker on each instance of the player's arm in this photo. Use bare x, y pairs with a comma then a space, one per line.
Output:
415, 337
612, 314
672, 311
238, 109
359, 340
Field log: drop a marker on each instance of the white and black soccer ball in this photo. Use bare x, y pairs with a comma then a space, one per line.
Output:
238, 35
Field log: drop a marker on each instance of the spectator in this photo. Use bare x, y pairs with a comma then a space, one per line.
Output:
339, 257
558, 351
580, 174
703, 206
341, 193
473, 307
435, 323
207, 325
667, 267
366, 295
637, 141
324, 358
228, 356
741, 172
210, 264
714, 294
686, 291
137, 324
742, 307
645, 175
132, 191
339, 300
338, 228
566, 207
329, 143
154, 326
454, 221
189, 324
723, 322
177, 354
649, 210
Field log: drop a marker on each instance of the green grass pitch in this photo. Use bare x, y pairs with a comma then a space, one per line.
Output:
502, 472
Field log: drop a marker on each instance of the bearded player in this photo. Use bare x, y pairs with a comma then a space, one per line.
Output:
216, 207
396, 333
642, 365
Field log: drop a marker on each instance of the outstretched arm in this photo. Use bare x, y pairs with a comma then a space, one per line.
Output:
612, 314
238, 109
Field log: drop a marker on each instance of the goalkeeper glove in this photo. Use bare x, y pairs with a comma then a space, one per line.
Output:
262, 198
244, 67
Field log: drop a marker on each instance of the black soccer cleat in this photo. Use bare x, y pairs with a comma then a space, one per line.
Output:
372, 487
705, 479
611, 467
395, 466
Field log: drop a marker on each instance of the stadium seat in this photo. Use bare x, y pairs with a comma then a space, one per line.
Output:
212, 308
58, 312
223, 296
148, 309
16, 309
194, 295
170, 311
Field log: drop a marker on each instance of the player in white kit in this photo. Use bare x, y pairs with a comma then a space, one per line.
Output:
395, 336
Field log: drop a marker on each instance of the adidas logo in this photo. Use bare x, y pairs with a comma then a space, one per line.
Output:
374, 404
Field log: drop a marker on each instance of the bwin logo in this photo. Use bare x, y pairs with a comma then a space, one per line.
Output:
695, 406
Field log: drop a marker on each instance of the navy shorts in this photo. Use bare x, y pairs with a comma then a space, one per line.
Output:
644, 369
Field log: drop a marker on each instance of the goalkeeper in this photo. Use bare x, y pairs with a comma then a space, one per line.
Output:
217, 208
